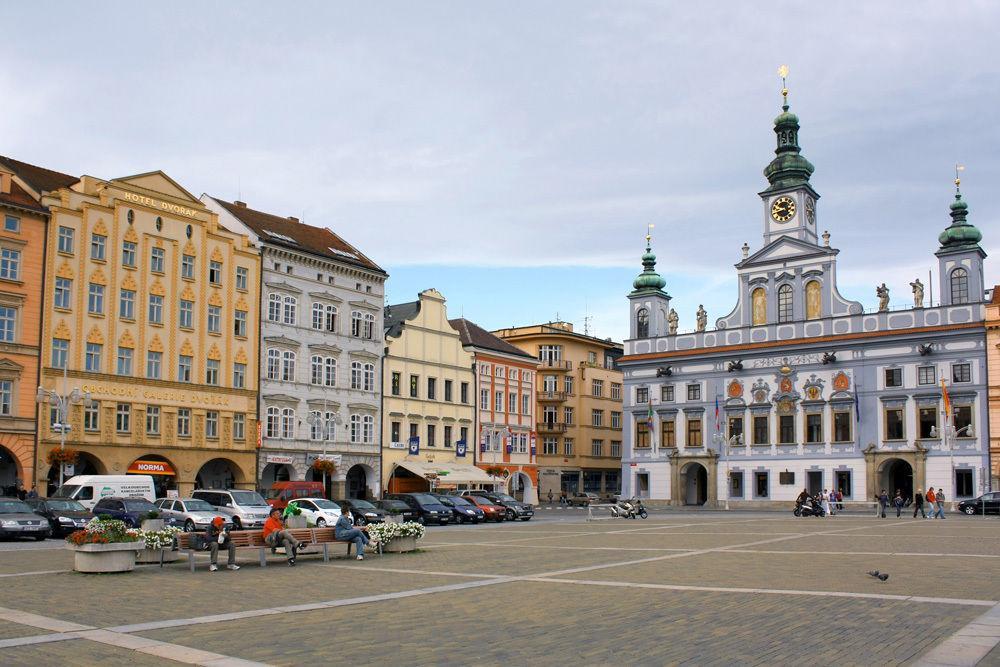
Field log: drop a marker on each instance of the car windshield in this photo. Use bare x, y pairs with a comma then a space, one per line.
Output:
138, 505
196, 505
444, 500
247, 498
426, 499
14, 507
66, 491
65, 506
324, 504
504, 497
362, 504
459, 501
479, 500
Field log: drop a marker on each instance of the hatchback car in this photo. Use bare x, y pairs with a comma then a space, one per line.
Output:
18, 520
491, 512
319, 512
363, 511
427, 508
396, 508
515, 509
189, 513
583, 499
465, 512
130, 510
988, 503
64, 516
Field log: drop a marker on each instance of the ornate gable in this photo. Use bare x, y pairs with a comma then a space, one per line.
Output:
100, 228
129, 283
213, 353
190, 249
65, 271
241, 356
98, 277
156, 345
187, 294
186, 348
130, 235
217, 255
95, 336
215, 299
62, 331
126, 340
157, 288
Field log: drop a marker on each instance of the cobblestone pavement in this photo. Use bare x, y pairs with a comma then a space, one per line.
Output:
713, 588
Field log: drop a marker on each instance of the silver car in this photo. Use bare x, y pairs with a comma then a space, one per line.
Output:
191, 513
246, 509
18, 520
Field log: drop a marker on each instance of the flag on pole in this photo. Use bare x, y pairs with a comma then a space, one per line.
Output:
947, 400
717, 424
649, 416
857, 407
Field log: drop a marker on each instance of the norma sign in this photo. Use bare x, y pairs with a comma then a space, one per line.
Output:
151, 468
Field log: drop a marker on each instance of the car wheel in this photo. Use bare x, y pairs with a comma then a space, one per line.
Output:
39, 538
189, 526
421, 520
321, 523
511, 515
237, 524
970, 510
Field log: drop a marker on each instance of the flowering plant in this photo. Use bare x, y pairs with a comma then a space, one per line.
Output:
494, 471
324, 465
159, 539
62, 456
385, 532
104, 531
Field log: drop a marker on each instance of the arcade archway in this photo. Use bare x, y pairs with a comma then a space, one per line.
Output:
694, 478
357, 481
896, 474
11, 473
220, 474
86, 464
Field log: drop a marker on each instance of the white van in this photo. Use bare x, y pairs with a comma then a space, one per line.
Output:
88, 489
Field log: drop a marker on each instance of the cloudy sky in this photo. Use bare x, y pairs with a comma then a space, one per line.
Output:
510, 154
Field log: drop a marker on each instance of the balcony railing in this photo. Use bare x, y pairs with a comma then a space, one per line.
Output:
551, 427
556, 364
552, 396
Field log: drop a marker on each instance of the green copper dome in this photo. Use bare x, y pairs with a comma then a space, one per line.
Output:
788, 168
649, 279
960, 233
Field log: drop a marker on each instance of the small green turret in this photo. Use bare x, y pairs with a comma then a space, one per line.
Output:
649, 279
960, 233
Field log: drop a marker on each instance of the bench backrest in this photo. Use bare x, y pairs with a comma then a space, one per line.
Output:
255, 538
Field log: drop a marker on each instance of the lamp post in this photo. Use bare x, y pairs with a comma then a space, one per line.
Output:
724, 444
949, 435
62, 402
328, 430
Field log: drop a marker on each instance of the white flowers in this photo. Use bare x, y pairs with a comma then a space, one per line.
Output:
159, 539
385, 532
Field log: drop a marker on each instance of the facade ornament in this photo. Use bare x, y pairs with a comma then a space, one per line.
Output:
918, 293
672, 321
826, 239
924, 349
882, 292
829, 358
702, 317
746, 250
664, 371
735, 366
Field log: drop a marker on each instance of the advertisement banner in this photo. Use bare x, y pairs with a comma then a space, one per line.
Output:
414, 445
460, 448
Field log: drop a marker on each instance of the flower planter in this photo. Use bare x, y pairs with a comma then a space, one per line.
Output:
297, 521
399, 545
152, 524
99, 558
147, 556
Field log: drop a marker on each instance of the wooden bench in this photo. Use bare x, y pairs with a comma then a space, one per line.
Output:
254, 539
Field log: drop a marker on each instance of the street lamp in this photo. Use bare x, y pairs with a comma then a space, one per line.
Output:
328, 430
950, 433
725, 443
62, 402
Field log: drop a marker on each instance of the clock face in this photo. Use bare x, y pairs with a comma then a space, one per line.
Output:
811, 210
783, 209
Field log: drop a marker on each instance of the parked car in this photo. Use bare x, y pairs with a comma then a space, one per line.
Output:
988, 503
64, 516
282, 492
427, 508
609, 498
583, 499
396, 508
18, 520
319, 512
491, 511
515, 509
464, 511
363, 511
246, 509
130, 510
189, 513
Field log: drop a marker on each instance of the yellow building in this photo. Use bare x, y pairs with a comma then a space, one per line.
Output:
428, 415
579, 408
993, 373
152, 326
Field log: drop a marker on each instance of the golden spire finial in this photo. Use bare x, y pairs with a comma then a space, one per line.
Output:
649, 233
958, 179
783, 73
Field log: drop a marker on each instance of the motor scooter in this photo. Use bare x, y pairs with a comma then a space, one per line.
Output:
811, 507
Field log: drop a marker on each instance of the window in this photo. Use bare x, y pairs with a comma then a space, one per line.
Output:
272, 423
963, 420
95, 299
735, 428
785, 303
394, 430
512, 403
894, 424
413, 431
62, 292
273, 364
153, 362
242, 279
736, 484
316, 425
124, 365
288, 366
963, 483
842, 426
550, 446
498, 402
414, 384
287, 423
10, 264
128, 253
123, 418
568, 384
463, 394
447, 436
12, 223
239, 375
66, 239
616, 391
499, 371
484, 369
184, 363
959, 286
396, 381
239, 426
330, 372
642, 394
356, 323
215, 273
668, 433
761, 435
431, 389
597, 387
289, 311
315, 369
567, 446
211, 424
842, 482
591, 357
814, 428
98, 246
567, 415
214, 319
525, 404
616, 449
597, 448
274, 307
667, 393
6, 396
155, 309
187, 267
184, 422
92, 361
597, 418
91, 417
694, 433
464, 434
760, 485
356, 375
8, 324
926, 375
550, 352
156, 260
447, 390
152, 420
641, 324
894, 377
212, 371
60, 352
786, 429
240, 323
961, 373
431, 435
641, 434
317, 316
927, 420
126, 304
484, 399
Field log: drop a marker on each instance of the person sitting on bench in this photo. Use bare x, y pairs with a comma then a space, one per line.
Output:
345, 530
276, 536
215, 537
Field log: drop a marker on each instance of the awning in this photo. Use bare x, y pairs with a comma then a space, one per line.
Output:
141, 467
448, 473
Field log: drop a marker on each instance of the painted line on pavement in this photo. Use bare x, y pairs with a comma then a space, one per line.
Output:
544, 546
30, 574
861, 553
969, 645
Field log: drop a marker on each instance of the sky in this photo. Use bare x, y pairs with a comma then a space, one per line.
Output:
511, 154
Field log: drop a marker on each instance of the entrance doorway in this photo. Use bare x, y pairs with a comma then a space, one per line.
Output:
897, 474
695, 484
357, 482
218, 474
814, 482
9, 476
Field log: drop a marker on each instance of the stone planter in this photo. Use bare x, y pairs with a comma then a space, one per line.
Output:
152, 556
399, 545
296, 522
152, 524
115, 557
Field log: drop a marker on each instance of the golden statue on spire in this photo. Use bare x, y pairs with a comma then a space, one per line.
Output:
958, 179
783, 73
649, 233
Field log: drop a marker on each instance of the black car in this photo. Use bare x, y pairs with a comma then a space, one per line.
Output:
17, 519
464, 511
427, 508
515, 508
64, 515
130, 510
396, 508
988, 503
364, 512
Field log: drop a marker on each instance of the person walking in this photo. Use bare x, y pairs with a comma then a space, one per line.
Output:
931, 500
897, 502
918, 504
550, 496
840, 500
276, 536
939, 497
883, 500
216, 537
345, 530
825, 498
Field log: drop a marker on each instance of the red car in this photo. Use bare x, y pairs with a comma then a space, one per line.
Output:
492, 512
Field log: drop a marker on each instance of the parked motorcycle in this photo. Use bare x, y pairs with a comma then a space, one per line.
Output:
811, 507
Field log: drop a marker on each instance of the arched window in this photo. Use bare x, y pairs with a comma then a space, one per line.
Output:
273, 364
369, 373
315, 425
356, 323
785, 313
272, 422
331, 318
642, 323
356, 375
369, 326
758, 300
287, 423
274, 307
368, 422
356, 430
330, 377
960, 286
814, 293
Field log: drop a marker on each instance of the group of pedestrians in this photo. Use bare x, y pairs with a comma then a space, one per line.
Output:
933, 501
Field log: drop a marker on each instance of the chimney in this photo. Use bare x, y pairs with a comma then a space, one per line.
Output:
240, 204
293, 218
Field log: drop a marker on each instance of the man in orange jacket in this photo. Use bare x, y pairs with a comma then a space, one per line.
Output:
275, 536
931, 500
